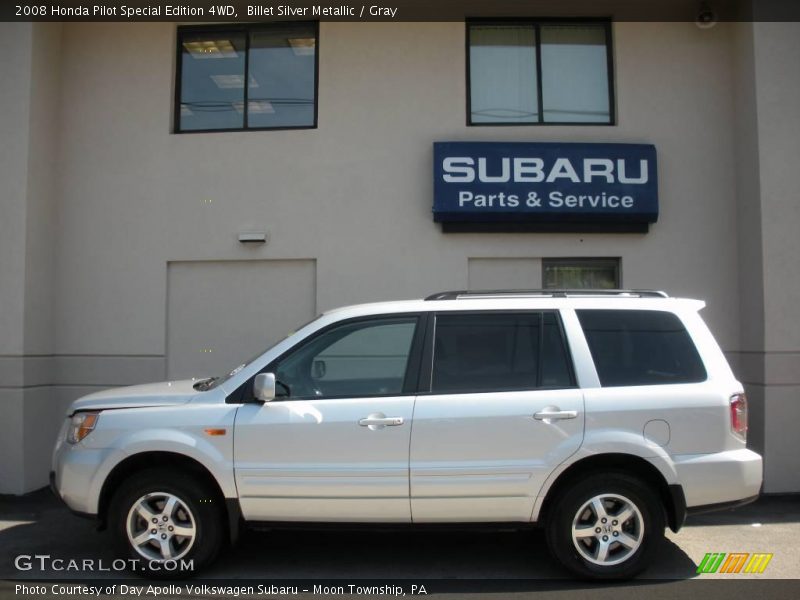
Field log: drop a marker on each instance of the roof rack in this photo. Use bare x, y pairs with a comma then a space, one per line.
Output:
548, 293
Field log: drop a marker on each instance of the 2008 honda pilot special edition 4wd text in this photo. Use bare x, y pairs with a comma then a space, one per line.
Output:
602, 417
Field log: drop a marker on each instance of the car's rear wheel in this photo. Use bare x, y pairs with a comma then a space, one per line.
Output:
606, 526
166, 524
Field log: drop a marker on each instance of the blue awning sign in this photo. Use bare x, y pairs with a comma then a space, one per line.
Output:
512, 181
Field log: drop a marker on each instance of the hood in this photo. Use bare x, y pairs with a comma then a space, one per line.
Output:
165, 393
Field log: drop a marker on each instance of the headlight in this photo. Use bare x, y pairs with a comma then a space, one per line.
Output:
81, 425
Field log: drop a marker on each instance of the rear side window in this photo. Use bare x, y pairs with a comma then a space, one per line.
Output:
487, 352
640, 347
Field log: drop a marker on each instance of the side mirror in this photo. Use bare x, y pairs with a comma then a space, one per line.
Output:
264, 387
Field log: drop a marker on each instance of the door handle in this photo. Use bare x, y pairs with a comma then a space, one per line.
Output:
555, 415
380, 421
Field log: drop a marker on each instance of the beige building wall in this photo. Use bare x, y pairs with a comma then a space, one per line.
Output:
767, 155
29, 126
356, 192
776, 46
125, 197
15, 101
748, 361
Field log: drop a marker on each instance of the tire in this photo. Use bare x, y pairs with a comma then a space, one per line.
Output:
179, 502
623, 547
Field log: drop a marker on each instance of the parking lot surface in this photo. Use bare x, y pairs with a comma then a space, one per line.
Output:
38, 525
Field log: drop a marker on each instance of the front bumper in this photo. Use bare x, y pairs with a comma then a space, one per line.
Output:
56, 493
720, 478
77, 476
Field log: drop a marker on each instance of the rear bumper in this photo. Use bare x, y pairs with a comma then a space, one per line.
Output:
707, 508
723, 478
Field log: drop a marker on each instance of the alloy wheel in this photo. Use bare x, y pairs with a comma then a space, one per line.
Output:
161, 527
607, 529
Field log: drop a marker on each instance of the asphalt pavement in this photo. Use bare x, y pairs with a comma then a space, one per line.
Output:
504, 563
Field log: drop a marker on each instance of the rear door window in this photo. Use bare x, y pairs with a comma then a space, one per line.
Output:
486, 352
640, 347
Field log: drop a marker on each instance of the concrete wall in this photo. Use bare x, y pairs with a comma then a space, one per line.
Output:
777, 45
29, 125
767, 131
354, 195
15, 100
749, 360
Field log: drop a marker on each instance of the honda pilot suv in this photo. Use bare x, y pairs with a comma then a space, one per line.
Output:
602, 417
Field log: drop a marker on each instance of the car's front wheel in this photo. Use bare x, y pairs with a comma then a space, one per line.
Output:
166, 524
606, 526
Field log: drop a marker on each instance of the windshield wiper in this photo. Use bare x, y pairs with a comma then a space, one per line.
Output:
204, 384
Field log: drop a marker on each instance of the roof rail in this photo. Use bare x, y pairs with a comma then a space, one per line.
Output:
546, 293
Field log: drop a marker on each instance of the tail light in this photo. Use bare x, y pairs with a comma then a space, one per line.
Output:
739, 415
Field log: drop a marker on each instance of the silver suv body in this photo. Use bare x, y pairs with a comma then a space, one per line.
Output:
603, 417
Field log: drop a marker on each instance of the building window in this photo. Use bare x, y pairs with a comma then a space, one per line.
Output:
581, 273
539, 72
278, 61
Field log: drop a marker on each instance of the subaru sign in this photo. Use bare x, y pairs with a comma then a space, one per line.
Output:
538, 182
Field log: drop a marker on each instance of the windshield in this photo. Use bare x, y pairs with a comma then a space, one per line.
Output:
211, 382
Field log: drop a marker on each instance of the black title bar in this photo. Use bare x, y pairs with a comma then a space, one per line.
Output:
189, 11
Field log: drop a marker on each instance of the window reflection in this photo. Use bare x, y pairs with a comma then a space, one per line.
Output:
503, 74
211, 66
574, 74
281, 92
280, 60
512, 64
581, 273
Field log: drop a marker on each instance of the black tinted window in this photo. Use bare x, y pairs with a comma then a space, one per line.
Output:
555, 366
640, 347
491, 352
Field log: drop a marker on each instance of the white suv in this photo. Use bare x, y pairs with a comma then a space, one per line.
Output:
600, 416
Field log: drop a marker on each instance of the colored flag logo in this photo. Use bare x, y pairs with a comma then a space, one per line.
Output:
734, 562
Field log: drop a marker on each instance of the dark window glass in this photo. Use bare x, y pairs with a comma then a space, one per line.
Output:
212, 80
282, 73
276, 62
529, 72
556, 372
640, 347
364, 358
494, 352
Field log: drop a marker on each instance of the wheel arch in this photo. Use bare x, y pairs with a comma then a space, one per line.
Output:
167, 460
671, 496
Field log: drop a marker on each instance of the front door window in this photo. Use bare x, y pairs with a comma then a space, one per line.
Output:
354, 360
